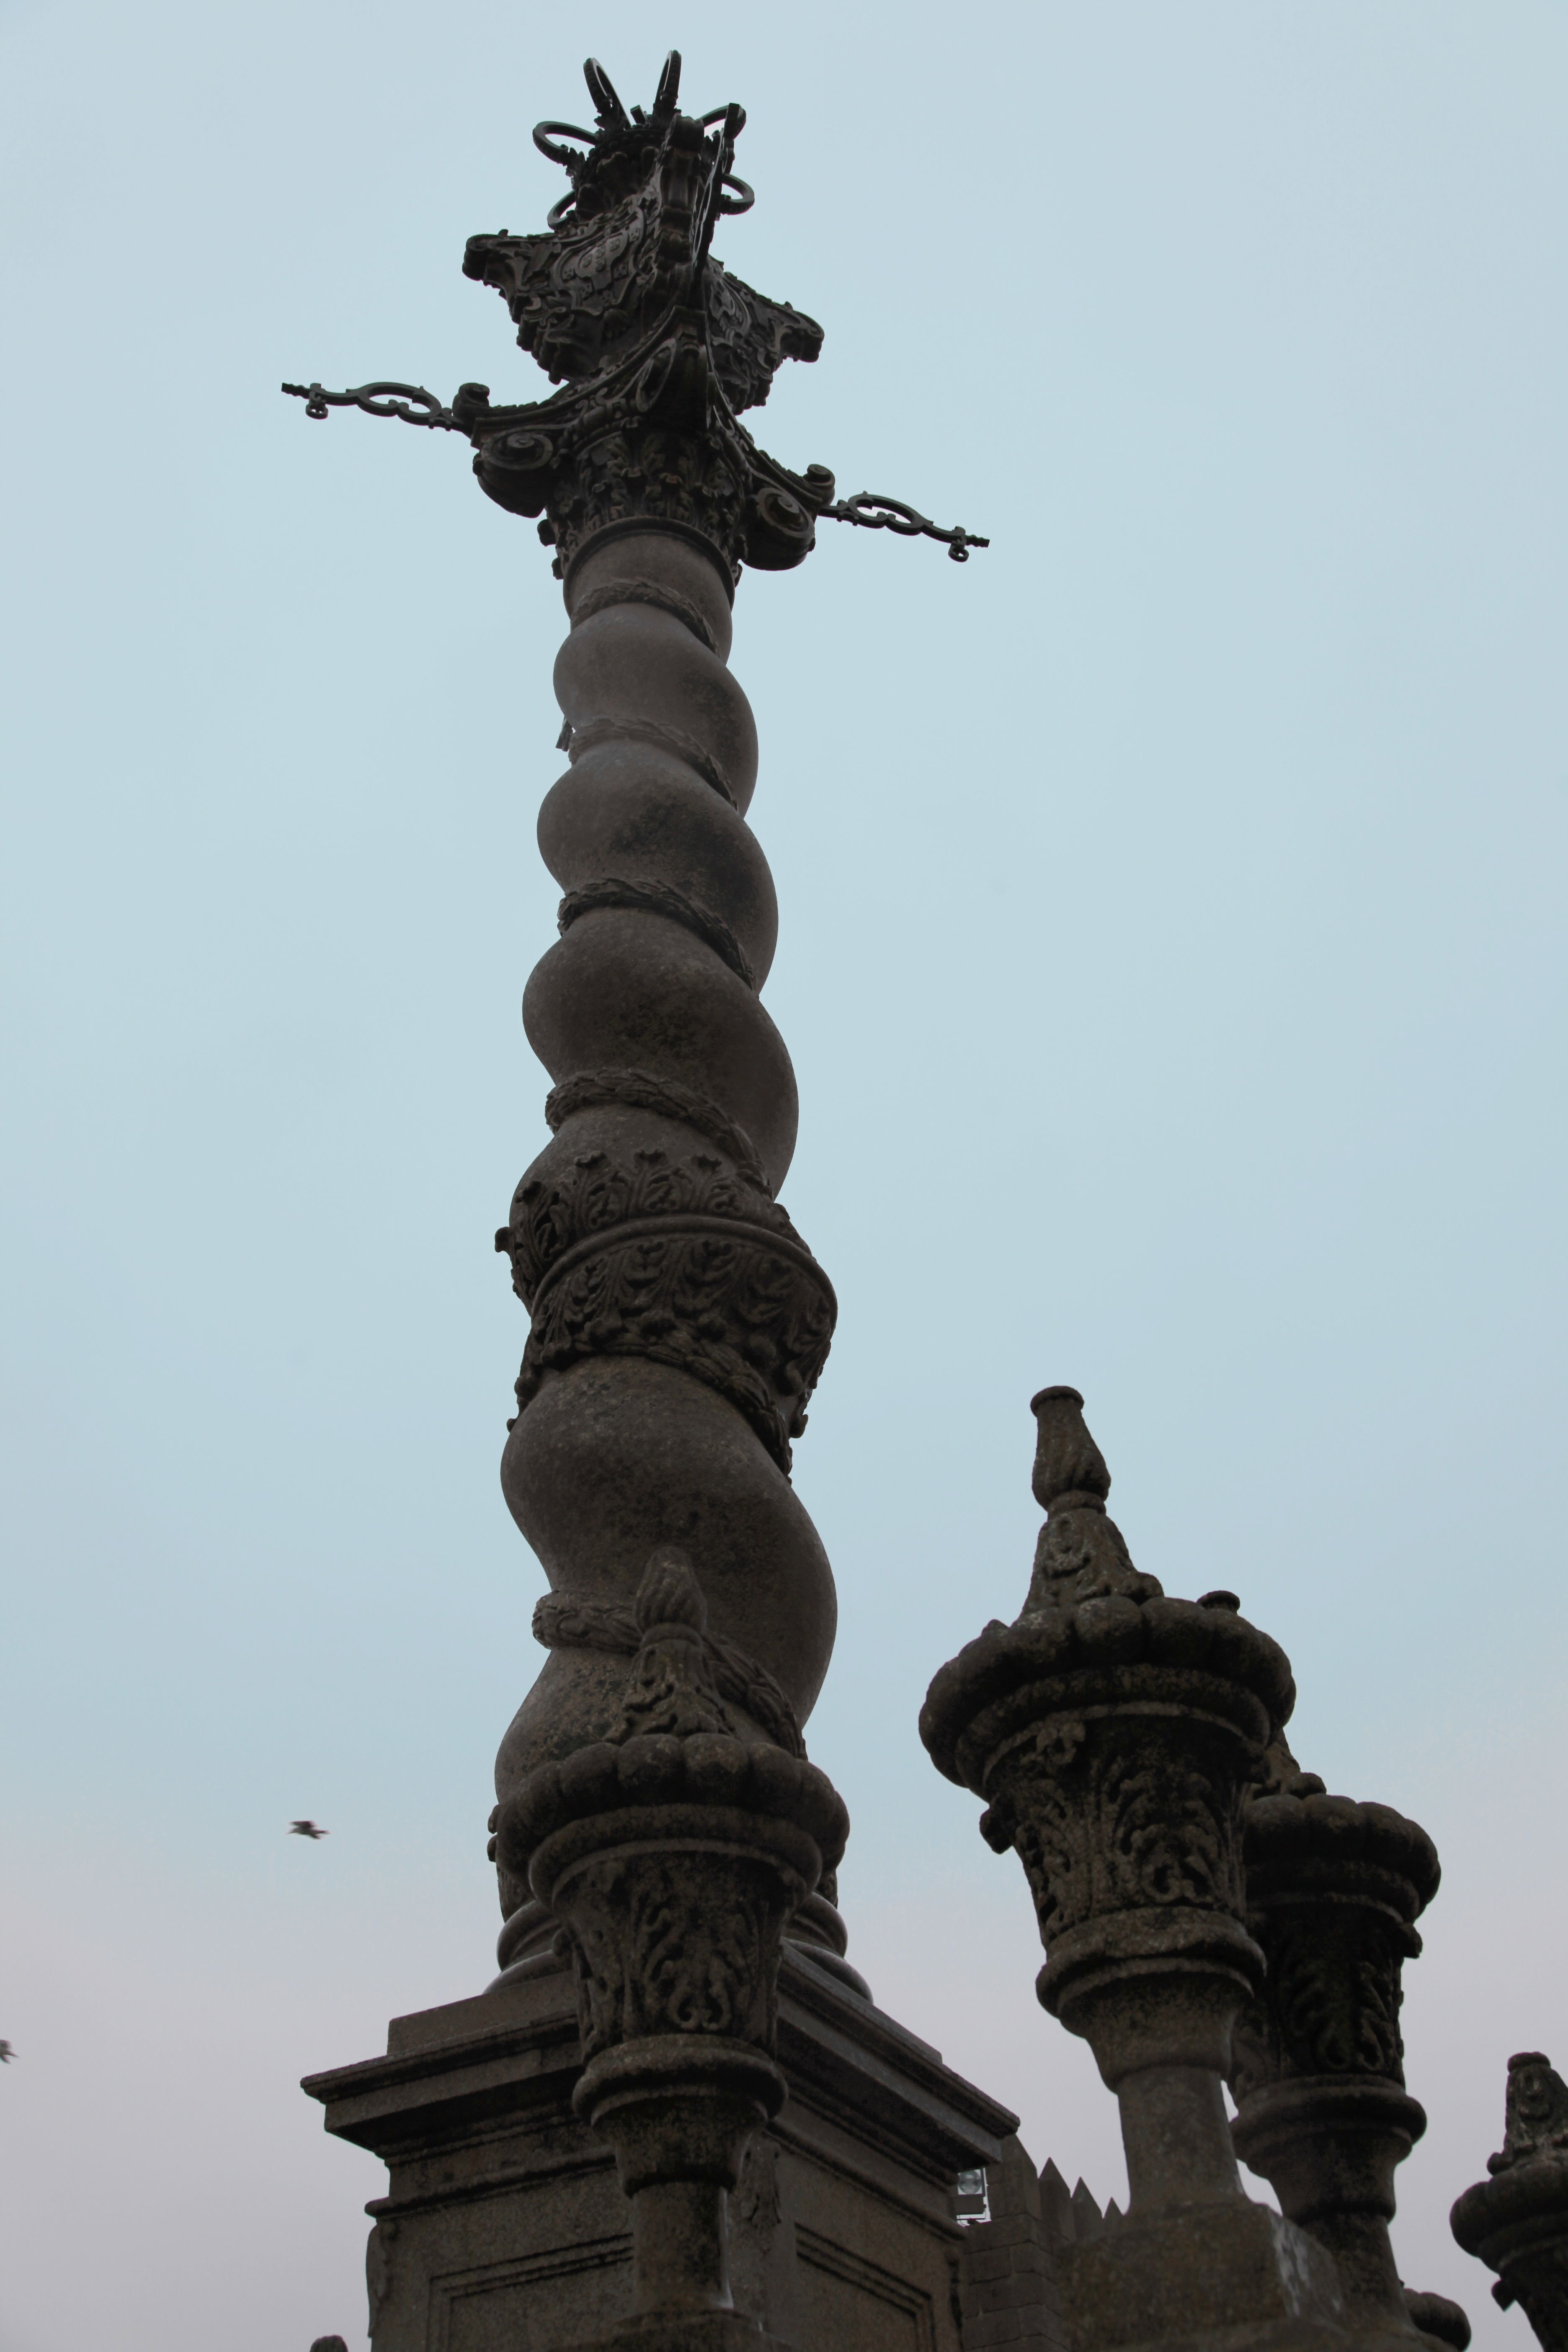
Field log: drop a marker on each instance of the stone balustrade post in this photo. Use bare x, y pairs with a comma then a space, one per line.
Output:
1114, 1734
1333, 1891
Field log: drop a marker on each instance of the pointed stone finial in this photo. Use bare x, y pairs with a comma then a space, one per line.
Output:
1536, 2113
1081, 1555
1067, 1462
1516, 2222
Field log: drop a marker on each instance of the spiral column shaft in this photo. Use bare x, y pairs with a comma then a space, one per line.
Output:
678, 1322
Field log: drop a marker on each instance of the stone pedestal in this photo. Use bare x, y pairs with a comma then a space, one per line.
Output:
504, 2229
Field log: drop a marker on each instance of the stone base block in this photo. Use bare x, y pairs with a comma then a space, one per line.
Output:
504, 2229
1233, 2275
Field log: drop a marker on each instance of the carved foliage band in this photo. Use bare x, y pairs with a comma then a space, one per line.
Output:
650, 1959
1333, 1890
1115, 1815
597, 1192
642, 1090
740, 1309
1333, 1996
563, 1624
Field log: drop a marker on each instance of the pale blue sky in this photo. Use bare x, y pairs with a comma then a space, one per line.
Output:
1171, 959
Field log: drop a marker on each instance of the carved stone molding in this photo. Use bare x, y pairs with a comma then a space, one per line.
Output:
659, 898
686, 748
668, 1098
563, 1624
645, 592
598, 1192
743, 1309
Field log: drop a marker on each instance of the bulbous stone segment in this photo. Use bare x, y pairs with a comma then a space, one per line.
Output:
627, 988
616, 1456
632, 816
637, 666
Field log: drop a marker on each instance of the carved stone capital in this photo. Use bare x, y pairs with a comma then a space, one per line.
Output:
1333, 1891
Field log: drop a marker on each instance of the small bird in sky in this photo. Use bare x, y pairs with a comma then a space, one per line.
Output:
6, 2053
307, 1828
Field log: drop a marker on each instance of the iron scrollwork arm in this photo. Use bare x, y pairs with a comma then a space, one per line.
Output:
892, 514
411, 402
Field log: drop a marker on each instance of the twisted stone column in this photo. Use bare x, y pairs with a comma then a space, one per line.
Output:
679, 1323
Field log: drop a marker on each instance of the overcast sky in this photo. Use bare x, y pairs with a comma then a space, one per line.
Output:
1171, 959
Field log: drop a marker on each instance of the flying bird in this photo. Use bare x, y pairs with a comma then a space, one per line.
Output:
307, 1828
6, 2053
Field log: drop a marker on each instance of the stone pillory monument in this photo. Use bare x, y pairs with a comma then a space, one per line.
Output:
677, 2118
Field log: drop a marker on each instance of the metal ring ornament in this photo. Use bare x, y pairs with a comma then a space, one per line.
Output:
547, 147
745, 195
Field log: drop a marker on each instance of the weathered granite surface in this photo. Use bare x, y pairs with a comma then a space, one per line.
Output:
504, 2228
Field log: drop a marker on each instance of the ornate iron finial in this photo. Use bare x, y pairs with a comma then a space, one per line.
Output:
658, 348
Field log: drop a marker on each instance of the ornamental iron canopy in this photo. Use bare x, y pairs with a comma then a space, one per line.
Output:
657, 347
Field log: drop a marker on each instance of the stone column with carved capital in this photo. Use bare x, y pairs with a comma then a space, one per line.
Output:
1114, 1732
673, 1852
665, 1833
1333, 1890
678, 1321
1516, 2221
